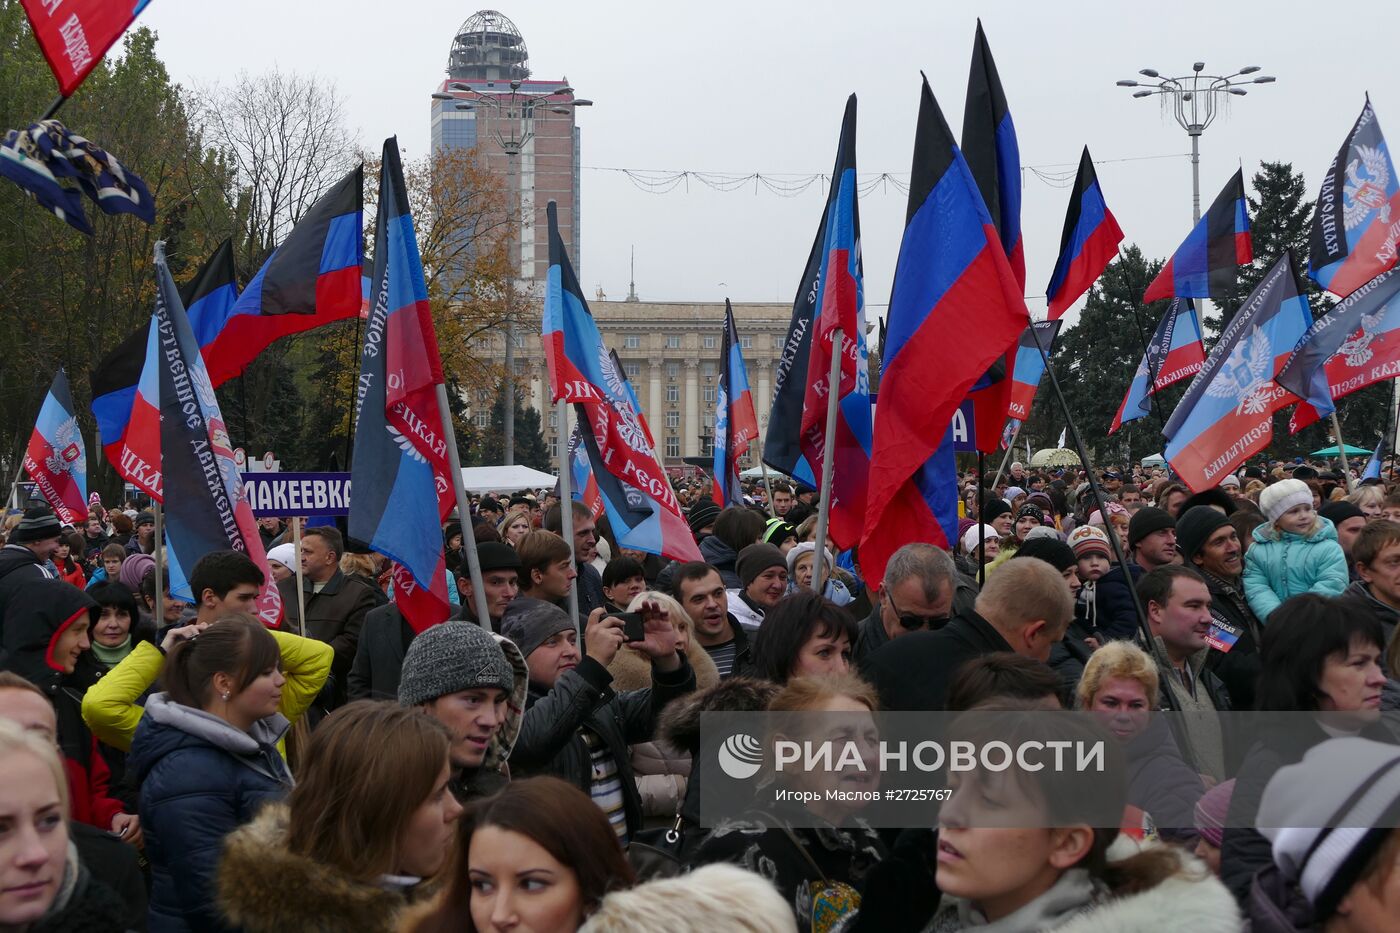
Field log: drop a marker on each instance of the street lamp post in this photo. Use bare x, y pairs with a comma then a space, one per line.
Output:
1195, 102
512, 129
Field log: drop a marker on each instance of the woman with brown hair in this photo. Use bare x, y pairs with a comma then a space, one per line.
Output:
370, 823
538, 856
820, 872
206, 756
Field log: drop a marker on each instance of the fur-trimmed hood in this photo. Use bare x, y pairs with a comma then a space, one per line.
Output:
264, 888
631, 670
503, 742
1190, 898
679, 724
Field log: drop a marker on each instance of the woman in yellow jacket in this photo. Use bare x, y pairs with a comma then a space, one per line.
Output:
112, 710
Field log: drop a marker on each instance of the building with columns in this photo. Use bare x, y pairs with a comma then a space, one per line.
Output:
671, 352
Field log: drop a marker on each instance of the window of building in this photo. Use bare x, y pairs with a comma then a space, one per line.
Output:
673, 447
673, 419
707, 368
483, 419
634, 371
554, 419
483, 395
673, 393
673, 342
709, 395
709, 341
553, 445
746, 343
673, 370
710, 420
631, 341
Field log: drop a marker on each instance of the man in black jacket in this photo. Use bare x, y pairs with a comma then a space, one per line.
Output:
576, 727
1024, 607
1208, 541
32, 544
1151, 544
917, 593
385, 637
336, 605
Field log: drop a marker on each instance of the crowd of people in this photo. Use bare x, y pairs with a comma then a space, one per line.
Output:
172, 765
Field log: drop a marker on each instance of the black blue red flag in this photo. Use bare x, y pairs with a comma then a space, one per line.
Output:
954, 307
1203, 266
583, 373
1354, 345
1175, 353
1226, 415
400, 473
125, 382
1373, 466
55, 459
205, 505
736, 424
1357, 224
1087, 245
993, 156
840, 305
585, 483
312, 279
782, 442
1030, 365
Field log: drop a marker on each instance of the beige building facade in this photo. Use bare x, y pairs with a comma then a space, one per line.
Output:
671, 353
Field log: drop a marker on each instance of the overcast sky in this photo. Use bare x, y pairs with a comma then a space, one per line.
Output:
760, 86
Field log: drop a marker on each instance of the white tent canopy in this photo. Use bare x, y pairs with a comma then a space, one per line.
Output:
505, 478
756, 472
1154, 460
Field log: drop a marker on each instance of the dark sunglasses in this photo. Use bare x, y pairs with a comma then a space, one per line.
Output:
911, 622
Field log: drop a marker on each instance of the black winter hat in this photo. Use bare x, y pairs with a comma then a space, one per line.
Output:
1194, 528
756, 558
1338, 512
38, 524
1051, 550
702, 513
994, 508
1215, 496
1145, 521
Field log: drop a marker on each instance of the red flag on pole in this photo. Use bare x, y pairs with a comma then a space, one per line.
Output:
75, 34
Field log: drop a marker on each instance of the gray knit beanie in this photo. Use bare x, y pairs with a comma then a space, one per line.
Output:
531, 622
451, 657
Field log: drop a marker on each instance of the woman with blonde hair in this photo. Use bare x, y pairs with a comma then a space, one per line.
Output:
43, 884
513, 527
1370, 500
369, 825
661, 770
820, 872
1120, 687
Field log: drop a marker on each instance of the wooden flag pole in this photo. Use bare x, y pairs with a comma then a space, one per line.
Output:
767, 486
301, 580
981, 525
833, 386
1341, 449
158, 554
464, 514
566, 515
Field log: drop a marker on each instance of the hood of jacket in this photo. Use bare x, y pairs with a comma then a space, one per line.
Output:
37, 615
717, 554
264, 886
1362, 591
167, 726
631, 670
679, 723
503, 742
1323, 530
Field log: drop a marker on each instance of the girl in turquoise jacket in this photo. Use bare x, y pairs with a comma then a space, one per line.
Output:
1295, 552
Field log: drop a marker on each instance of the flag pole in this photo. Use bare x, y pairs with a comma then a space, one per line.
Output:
1010, 449
1145, 630
828, 468
1341, 449
464, 514
158, 553
566, 516
767, 486
981, 525
301, 579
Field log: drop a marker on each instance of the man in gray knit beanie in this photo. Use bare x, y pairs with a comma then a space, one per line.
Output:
474, 684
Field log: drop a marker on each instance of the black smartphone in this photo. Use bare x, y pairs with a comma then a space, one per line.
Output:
633, 628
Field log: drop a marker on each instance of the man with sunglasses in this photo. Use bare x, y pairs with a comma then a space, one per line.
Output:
916, 595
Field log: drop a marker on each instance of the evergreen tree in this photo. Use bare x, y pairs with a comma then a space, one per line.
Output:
530, 447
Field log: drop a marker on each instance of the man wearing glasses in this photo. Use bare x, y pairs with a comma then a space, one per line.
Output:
917, 594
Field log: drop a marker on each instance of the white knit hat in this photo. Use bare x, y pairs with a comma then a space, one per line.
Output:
1281, 496
970, 537
1328, 815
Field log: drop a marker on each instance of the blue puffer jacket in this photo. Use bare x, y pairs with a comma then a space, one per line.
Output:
1281, 564
201, 778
